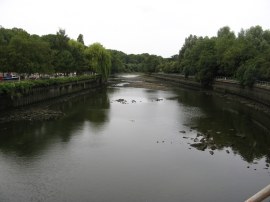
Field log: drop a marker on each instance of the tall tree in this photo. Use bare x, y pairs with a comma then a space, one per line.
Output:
77, 50
225, 43
28, 55
99, 59
80, 39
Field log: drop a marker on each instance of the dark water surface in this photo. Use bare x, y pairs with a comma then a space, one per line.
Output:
126, 144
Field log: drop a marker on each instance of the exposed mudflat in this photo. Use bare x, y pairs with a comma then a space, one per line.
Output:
30, 114
140, 81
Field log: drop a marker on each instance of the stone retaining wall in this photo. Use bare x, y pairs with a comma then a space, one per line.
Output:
45, 93
258, 93
180, 80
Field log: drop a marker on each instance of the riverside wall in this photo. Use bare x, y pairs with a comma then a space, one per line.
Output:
258, 93
46, 93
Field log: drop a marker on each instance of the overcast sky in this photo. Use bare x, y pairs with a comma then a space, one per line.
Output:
134, 26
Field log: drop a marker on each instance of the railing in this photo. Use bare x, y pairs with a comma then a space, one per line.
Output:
260, 196
263, 83
225, 78
259, 83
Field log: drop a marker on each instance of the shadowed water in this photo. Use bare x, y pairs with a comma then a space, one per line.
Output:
136, 144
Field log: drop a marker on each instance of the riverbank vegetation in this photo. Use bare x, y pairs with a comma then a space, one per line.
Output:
245, 56
19, 88
53, 53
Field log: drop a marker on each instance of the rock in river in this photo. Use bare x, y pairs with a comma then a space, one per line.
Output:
213, 147
199, 146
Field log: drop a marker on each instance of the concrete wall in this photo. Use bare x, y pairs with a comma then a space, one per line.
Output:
179, 80
45, 93
258, 93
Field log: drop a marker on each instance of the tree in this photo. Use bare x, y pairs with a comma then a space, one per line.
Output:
77, 50
207, 63
225, 43
189, 55
80, 39
247, 74
186, 59
117, 61
151, 62
28, 55
99, 59
64, 62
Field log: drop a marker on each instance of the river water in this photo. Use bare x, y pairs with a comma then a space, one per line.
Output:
123, 144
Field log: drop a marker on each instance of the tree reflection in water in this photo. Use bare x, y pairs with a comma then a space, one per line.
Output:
226, 124
31, 138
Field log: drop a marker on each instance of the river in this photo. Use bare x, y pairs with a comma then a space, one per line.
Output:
137, 144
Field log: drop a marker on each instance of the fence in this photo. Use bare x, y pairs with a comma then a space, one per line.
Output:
259, 83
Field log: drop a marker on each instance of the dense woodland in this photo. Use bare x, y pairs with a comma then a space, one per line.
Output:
245, 56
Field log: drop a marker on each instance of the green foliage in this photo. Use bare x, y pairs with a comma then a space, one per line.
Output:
207, 63
16, 88
151, 62
80, 39
99, 59
57, 53
79, 59
117, 61
64, 61
169, 65
247, 74
246, 57
28, 55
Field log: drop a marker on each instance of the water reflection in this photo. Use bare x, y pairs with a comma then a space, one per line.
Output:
123, 144
225, 124
32, 138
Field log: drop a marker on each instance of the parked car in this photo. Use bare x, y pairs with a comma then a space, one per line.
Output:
10, 77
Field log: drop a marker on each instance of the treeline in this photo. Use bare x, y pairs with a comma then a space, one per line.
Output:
245, 57
56, 53
145, 62
53, 53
